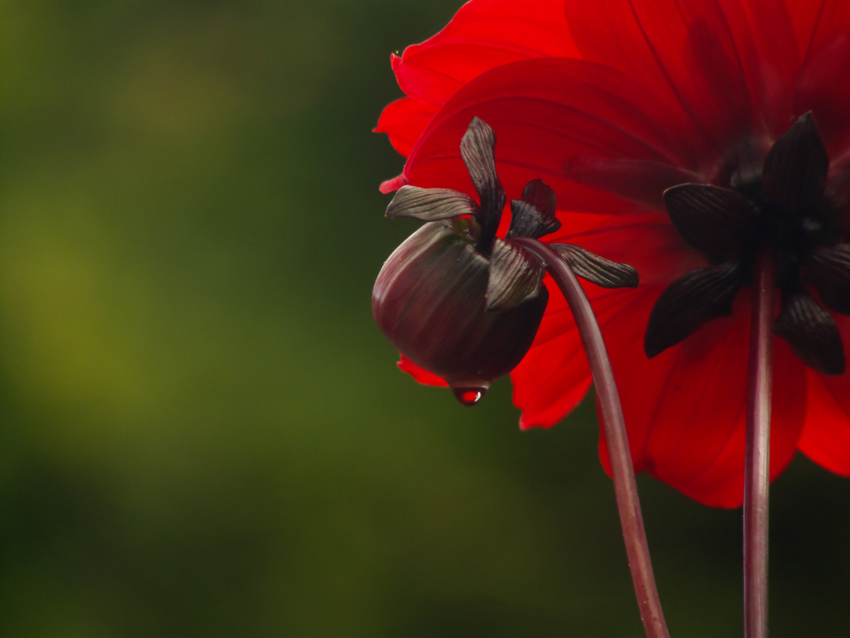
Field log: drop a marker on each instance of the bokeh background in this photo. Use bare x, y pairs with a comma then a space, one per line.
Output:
201, 431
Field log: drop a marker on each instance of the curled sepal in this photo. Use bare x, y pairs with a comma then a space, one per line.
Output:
534, 215
430, 204
828, 268
477, 147
515, 276
796, 167
596, 269
812, 333
690, 302
712, 219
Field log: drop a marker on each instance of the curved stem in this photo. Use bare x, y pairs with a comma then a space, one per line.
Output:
622, 469
757, 465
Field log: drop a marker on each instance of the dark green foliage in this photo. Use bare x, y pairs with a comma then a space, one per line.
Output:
203, 432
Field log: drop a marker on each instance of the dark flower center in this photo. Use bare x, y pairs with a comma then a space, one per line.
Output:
786, 211
790, 235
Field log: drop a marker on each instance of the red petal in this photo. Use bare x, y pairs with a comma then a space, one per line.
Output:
422, 376
825, 91
826, 435
552, 382
393, 184
554, 375
685, 409
838, 184
483, 34
692, 52
646, 241
762, 30
546, 112
818, 23
804, 15
404, 120
638, 180
822, 28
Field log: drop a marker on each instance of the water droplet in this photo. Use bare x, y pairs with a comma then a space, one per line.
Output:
468, 395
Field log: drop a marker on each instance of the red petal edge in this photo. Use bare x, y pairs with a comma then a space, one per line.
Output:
483, 35
554, 375
404, 120
826, 435
422, 376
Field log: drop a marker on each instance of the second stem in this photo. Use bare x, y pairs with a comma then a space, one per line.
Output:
757, 464
622, 469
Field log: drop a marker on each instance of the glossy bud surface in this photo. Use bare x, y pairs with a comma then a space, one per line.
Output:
429, 300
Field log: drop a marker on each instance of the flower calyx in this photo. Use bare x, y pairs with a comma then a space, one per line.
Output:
786, 211
459, 301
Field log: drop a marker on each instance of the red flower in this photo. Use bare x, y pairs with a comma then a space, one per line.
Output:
612, 102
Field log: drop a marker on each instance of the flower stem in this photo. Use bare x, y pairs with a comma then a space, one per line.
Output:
757, 465
622, 469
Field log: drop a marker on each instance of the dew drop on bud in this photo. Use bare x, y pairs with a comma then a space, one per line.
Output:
469, 396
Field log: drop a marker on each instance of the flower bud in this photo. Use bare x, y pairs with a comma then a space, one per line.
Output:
457, 300
430, 302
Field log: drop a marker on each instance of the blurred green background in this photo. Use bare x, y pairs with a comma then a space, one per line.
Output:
203, 434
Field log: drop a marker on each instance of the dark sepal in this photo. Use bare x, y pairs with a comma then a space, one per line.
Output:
430, 204
828, 268
796, 167
712, 219
812, 333
515, 276
477, 147
534, 215
690, 302
596, 269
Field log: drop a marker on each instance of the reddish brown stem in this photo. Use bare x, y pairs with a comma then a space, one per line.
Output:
622, 469
757, 465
